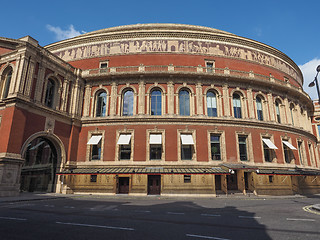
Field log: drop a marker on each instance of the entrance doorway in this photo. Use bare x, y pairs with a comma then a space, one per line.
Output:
218, 182
123, 185
232, 182
38, 172
154, 184
246, 181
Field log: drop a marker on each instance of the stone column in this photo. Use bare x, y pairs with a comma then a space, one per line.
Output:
271, 107
199, 98
113, 99
141, 97
250, 103
170, 98
87, 101
226, 100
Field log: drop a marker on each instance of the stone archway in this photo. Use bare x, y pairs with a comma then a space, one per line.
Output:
43, 155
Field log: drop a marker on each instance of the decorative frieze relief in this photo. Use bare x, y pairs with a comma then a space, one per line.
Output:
211, 48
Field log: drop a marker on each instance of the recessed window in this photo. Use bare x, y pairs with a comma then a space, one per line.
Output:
237, 106
277, 103
95, 147
243, 152
288, 154
270, 179
268, 149
184, 103
124, 143
259, 108
155, 142
101, 104
93, 178
5, 84
50, 91
127, 103
209, 66
156, 104
215, 147
211, 104
187, 146
187, 178
300, 151
104, 66
291, 113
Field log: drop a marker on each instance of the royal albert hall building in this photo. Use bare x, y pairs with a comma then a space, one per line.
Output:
165, 109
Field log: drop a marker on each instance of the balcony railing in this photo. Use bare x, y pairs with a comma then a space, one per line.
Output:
197, 70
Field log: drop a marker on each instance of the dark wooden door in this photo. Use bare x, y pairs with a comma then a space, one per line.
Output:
123, 185
154, 184
246, 180
218, 182
232, 181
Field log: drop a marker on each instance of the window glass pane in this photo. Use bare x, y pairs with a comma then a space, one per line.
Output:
259, 108
7, 85
215, 147
101, 104
237, 106
211, 104
128, 103
186, 152
155, 151
184, 103
243, 148
49, 93
156, 102
96, 152
278, 112
267, 155
125, 152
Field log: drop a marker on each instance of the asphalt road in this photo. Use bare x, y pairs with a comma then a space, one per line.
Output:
156, 218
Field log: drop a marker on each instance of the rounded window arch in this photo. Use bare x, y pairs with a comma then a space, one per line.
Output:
38, 172
101, 103
127, 102
156, 102
211, 104
5, 82
259, 106
237, 110
278, 112
50, 93
184, 102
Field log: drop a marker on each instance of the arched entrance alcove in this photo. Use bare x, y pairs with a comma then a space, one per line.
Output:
43, 154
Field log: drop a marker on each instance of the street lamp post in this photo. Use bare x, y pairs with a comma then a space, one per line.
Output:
315, 82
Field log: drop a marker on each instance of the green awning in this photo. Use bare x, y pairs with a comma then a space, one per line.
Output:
143, 170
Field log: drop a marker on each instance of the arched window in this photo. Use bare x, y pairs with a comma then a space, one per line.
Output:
101, 104
156, 105
6, 84
237, 105
211, 104
259, 108
127, 109
278, 111
184, 103
50, 93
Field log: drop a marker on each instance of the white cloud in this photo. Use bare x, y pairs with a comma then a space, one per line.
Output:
309, 72
64, 34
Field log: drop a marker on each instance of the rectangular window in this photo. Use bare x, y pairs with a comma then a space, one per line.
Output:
186, 146
215, 147
268, 148
95, 147
209, 66
124, 143
104, 66
187, 178
287, 148
311, 154
93, 178
155, 142
270, 179
242, 140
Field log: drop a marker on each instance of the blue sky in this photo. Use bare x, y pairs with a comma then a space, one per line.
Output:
290, 26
